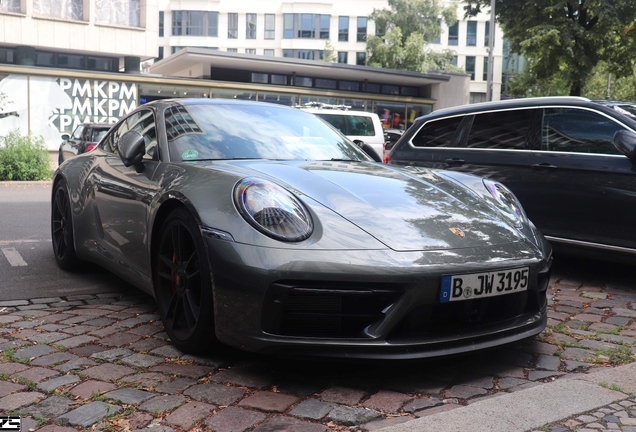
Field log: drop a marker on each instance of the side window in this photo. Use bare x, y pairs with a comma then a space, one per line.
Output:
360, 125
77, 133
578, 130
144, 123
437, 133
337, 121
501, 130
110, 143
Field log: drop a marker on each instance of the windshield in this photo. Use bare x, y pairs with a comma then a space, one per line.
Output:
252, 131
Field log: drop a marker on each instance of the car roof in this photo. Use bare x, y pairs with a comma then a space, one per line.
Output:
576, 101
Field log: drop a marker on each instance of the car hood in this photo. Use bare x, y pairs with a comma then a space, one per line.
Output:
407, 211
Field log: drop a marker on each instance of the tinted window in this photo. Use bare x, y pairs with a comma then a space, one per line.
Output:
98, 134
77, 133
353, 124
500, 130
577, 130
144, 123
437, 133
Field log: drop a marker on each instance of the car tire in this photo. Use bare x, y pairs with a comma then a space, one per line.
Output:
183, 284
62, 228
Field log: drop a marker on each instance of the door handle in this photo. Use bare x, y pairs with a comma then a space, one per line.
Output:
544, 165
455, 162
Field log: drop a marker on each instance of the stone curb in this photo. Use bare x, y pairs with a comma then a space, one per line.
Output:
533, 407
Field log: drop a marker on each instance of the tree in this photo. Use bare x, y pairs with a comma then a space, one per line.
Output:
568, 37
403, 31
329, 53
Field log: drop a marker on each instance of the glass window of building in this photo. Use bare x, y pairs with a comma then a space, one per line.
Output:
470, 67
361, 58
71, 61
362, 29
485, 77
307, 26
195, 23
349, 86
269, 53
44, 58
343, 29
232, 50
270, 26
471, 33
454, 61
71, 9
453, 34
303, 81
391, 89
326, 83
324, 26
232, 26
11, 6
260, 78
159, 55
288, 53
161, 24
250, 51
409, 91
6, 55
372, 88
487, 34
122, 12
250, 20
288, 26
342, 56
278, 79
305, 54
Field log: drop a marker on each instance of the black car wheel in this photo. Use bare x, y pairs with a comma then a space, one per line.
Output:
183, 284
62, 229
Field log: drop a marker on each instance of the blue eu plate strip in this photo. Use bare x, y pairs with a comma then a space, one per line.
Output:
445, 293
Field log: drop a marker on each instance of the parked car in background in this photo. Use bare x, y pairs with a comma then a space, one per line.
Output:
391, 136
358, 126
571, 162
262, 227
83, 139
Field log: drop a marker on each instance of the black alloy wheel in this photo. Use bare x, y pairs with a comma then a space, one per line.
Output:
62, 228
183, 284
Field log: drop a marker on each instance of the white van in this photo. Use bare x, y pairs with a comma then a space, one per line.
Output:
355, 125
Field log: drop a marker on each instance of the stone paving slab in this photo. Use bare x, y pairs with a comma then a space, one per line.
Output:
95, 356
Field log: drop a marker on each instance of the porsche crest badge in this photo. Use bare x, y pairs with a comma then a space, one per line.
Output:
457, 232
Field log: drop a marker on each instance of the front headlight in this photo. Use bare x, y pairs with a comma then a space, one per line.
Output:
507, 202
272, 210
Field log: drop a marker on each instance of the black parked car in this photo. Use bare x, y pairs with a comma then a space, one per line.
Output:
571, 162
83, 139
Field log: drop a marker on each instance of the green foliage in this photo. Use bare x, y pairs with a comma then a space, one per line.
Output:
402, 33
329, 53
566, 38
526, 84
23, 158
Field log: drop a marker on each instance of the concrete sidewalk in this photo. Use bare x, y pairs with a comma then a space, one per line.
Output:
537, 407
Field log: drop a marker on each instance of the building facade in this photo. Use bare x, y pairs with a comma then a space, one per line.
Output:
303, 29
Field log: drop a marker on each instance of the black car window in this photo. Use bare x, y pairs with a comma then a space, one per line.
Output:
578, 130
77, 133
98, 134
501, 130
336, 121
437, 133
109, 144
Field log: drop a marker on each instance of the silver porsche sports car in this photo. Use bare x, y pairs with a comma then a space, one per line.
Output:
261, 227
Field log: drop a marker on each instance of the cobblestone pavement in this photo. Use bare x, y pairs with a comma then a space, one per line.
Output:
616, 417
103, 362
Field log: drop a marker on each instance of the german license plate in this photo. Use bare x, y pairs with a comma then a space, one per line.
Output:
479, 285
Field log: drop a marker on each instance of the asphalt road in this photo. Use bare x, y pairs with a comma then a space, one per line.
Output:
27, 266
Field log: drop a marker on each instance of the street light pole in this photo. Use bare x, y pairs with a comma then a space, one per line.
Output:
491, 54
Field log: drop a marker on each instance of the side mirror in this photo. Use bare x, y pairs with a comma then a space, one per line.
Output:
131, 148
368, 150
625, 142
65, 137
